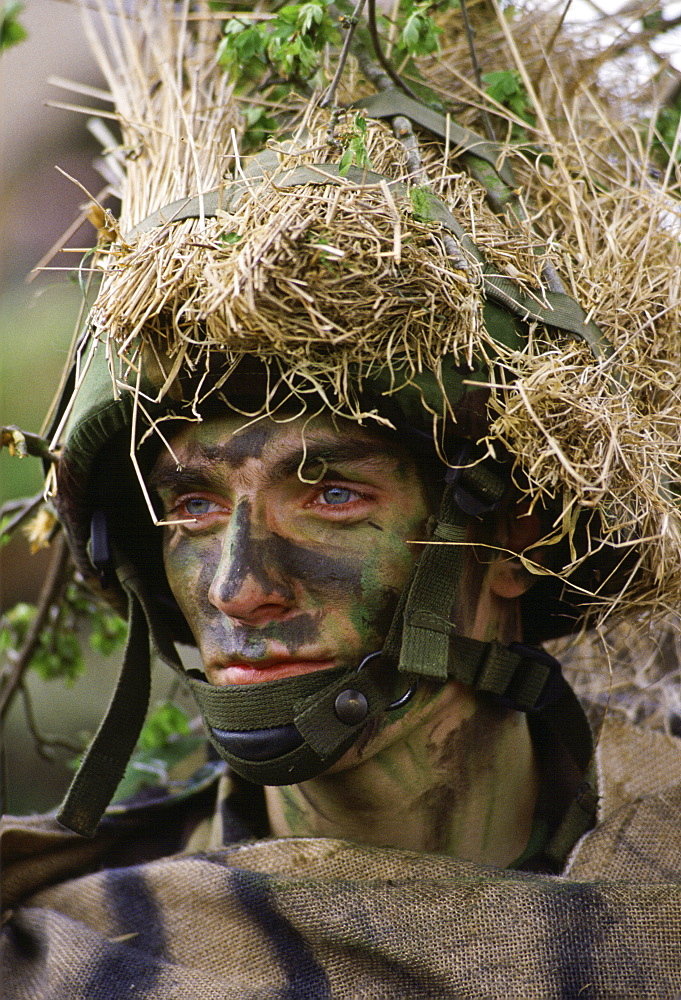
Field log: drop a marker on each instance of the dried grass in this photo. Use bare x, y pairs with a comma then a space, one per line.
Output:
339, 279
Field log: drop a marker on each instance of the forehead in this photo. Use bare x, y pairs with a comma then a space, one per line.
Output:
232, 440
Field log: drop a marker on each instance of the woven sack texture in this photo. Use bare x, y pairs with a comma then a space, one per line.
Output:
317, 918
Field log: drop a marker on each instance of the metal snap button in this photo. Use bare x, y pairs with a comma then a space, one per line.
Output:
351, 707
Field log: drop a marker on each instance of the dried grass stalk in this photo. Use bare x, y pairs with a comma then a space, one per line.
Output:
344, 278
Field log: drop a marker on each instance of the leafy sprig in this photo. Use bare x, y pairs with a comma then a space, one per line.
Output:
506, 88
58, 653
354, 142
289, 44
420, 35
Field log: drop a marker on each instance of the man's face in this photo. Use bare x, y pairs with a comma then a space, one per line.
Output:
291, 543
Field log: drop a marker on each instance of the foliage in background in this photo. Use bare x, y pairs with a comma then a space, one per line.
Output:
59, 655
507, 89
420, 34
289, 45
166, 740
355, 150
11, 30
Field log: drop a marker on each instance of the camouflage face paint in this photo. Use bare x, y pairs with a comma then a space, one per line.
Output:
277, 576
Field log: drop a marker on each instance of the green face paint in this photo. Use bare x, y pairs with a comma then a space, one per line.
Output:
278, 571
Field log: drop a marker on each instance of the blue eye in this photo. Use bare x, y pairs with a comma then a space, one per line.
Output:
337, 495
196, 506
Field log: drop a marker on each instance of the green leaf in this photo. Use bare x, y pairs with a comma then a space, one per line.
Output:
289, 14
507, 89
230, 238
653, 20
11, 31
108, 632
308, 15
345, 162
411, 33
165, 724
419, 36
501, 84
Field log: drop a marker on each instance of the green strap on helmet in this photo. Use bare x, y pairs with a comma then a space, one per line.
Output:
107, 757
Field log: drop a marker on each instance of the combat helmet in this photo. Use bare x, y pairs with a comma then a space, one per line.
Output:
223, 274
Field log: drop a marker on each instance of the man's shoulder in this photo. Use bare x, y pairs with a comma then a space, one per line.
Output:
638, 831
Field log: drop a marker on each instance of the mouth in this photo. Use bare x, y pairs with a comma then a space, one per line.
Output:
261, 671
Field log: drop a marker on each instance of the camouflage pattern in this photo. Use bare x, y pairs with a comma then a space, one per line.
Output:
317, 918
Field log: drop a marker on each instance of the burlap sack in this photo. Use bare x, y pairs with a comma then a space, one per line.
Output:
315, 918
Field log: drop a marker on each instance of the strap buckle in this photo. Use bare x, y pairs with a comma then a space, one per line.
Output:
554, 685
100, 549
403, 699
477, 489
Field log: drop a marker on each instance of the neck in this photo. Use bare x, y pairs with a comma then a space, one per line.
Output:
453, 775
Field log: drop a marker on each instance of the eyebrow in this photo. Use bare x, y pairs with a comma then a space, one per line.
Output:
357, 451
196, 475
200, 469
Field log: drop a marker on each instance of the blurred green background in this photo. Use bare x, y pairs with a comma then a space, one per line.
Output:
37, 319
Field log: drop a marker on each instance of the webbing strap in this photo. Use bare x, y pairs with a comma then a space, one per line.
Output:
424, 637
389, 103
307, 701
107, 757
433, 592
579, 818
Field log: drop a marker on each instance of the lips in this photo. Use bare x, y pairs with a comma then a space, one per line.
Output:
258, 672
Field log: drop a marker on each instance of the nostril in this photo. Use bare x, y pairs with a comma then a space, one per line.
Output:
251, 602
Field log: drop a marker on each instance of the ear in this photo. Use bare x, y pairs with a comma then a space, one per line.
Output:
507, 577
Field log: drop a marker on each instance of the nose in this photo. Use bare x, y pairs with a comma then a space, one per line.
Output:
250, 586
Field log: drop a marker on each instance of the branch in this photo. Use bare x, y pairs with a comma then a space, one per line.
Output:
376, 42
20, 510
44, 743
350, 24
642, 38
55, 582
22, 443
470, 38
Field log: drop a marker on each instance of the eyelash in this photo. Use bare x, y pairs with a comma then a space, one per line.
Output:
357, 496
180, 511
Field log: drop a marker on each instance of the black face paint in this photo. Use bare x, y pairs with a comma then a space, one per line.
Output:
251, 557
248, 444
274, 562
250, 642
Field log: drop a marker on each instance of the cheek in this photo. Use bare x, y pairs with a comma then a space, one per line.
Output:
385, 573
190, 570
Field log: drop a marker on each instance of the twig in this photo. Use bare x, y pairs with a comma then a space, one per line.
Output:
43, 743
404, 131
21, 509
350, 24
51, 592
551, 43
376, 42
24, 443
470, 38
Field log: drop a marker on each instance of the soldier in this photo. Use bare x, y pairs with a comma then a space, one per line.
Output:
288, 439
